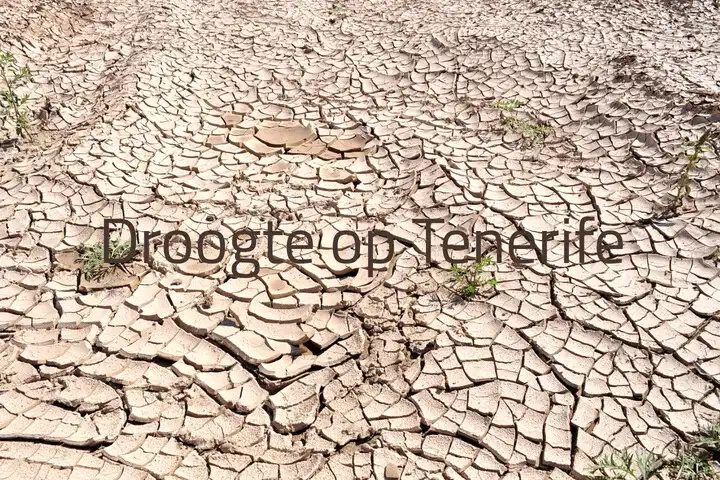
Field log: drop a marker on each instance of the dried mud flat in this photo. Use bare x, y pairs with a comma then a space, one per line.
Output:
208, 115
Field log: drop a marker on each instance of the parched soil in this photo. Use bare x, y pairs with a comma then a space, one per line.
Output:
366, 117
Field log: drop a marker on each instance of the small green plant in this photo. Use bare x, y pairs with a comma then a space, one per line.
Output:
693, 461
533, 133
469, 280
693, 153
709, 437
626, 465
508, 105
692, 465
13, 105
94, 266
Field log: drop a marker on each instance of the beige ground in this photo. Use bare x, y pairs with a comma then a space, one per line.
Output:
210, 115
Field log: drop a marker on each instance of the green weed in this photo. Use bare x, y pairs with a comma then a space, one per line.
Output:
709, 437
693, 153
469, 280
692, 465
94, 266
533, 133
508, 105
693, 461
628, 466
11, 104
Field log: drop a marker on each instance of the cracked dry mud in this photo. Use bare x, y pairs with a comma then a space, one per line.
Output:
209, 115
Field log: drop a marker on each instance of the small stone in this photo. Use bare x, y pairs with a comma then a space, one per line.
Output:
392, 472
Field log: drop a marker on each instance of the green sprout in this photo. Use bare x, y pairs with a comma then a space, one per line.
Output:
508, 105
469, 280
693, 461
11, 104
626, 465
709, 436
532, 133
94, 266
693, 153
692, 465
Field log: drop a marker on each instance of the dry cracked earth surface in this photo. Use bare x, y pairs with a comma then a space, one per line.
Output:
318, 116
